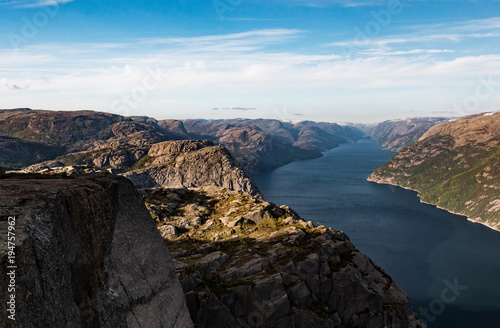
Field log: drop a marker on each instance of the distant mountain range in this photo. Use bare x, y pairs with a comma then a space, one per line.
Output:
106, 140
455, 165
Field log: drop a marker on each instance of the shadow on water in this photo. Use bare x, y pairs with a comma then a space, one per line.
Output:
420, 245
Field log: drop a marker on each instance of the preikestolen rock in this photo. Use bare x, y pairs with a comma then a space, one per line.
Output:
88, 255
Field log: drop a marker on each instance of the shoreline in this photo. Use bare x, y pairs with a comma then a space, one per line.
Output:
437, 206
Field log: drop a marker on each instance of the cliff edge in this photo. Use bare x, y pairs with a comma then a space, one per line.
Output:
87, 255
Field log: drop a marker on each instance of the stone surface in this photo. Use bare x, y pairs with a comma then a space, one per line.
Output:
88, 255
192, 164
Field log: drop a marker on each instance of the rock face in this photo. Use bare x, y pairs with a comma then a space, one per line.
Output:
244, 262
88, 255
455, 165
191, 163
395, 135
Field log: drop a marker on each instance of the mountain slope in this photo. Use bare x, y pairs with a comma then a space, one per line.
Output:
74, 137
395, 135
455, 165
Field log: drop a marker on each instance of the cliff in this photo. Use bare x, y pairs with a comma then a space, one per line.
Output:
191, 163
395, 135
244, 262
455, 165
87, 255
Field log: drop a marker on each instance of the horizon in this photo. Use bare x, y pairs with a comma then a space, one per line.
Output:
326, 61
243, 118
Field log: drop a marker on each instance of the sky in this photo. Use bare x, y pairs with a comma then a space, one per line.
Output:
322, 60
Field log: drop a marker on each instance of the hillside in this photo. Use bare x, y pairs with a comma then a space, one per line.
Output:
74, 137
395, 135
244, 262
455, 165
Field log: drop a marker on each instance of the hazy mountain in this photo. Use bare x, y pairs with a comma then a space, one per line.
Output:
395, 135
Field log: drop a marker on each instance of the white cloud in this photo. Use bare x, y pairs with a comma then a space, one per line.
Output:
233, 70
331, 3
34, 3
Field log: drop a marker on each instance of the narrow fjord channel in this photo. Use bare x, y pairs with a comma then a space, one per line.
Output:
450, 267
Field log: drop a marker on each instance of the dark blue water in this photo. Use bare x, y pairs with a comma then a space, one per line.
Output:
424, 248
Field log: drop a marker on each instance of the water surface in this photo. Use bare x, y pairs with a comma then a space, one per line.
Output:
424, 248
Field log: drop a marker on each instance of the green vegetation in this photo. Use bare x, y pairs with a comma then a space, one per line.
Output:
463, 180
141, 163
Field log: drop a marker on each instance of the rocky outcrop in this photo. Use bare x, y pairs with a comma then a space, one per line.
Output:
395, 135
244, 262
455, 165
87, 255
191, 163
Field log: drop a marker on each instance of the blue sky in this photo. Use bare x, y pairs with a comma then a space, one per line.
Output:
323, 60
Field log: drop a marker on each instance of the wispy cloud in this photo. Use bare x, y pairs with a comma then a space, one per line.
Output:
238, 68
33, 3
332, 3
419, 36
244, 41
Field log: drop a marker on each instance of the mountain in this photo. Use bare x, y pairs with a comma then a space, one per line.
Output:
139, 148
54, 138
455, 165
16, 153
190, 163
87, 254
244, 262
394, 135
264, 144
80, 137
